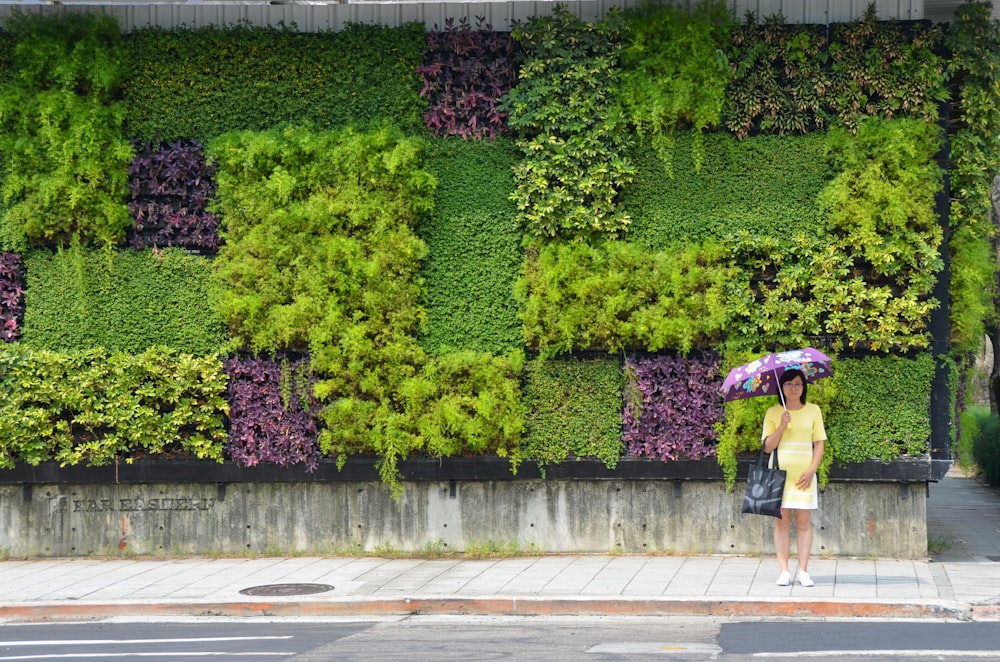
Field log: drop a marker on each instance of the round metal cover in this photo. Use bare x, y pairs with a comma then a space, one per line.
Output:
286, 589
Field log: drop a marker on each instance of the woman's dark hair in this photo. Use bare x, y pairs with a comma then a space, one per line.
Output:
788, 376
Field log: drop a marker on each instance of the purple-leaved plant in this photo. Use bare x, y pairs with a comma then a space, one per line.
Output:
11, 296
465, 74
170, 187
671, 407
272, 413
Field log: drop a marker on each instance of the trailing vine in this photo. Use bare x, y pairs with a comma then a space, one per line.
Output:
974, 41
675, 72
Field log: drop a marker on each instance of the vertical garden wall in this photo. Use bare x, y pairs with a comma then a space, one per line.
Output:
266, 247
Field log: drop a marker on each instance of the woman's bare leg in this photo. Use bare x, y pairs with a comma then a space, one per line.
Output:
803, 537
783, 538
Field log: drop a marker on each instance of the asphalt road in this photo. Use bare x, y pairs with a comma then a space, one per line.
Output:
556, 639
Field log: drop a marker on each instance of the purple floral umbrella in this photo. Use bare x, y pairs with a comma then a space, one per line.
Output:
760, 376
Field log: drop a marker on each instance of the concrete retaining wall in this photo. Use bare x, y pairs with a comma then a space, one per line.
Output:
866, 519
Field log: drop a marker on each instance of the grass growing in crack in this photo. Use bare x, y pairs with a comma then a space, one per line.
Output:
939, 545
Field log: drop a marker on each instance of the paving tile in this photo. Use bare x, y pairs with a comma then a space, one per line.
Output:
694, 577
653, 578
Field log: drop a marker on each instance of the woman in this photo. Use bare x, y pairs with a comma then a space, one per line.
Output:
795, 428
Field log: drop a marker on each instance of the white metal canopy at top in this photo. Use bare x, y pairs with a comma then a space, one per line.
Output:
318, 15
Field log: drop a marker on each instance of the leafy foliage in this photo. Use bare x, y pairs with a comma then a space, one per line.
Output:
467, 402
170, 186
763, 184
128, 301
791, 78
866, 281
474, 249
272, 412
11, 296
675, 71
320, 256
97, 407
984, 430
65, 165
974, 41
881, 408
881, 69
880, 204
675, 408
618, 295
199, 83
574, 411
779, 78
308, 265
571, 135
465, 74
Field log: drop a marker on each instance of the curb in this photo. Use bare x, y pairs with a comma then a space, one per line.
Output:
505, 606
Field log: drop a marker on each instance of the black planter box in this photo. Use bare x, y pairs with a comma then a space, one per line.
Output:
903, 470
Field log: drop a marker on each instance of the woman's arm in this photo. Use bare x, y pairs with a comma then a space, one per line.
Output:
771, 441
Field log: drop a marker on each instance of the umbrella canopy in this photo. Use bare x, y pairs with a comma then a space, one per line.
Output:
760, 376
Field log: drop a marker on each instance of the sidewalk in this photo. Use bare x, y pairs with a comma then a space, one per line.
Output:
963, 583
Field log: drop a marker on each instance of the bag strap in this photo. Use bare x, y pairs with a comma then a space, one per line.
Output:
773, 460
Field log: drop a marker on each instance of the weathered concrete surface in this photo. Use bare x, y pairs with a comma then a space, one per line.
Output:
864, 519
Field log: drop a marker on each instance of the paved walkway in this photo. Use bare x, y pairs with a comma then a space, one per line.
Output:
960, 582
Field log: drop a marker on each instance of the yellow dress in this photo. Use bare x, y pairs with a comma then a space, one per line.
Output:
795, 451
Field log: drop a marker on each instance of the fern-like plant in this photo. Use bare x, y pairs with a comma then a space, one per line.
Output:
66, 165
675, 71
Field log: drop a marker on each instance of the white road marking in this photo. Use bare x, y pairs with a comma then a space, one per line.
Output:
992, 655
105, 642
170, 654
654, 648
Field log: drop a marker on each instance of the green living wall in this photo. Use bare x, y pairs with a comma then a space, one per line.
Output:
542, 245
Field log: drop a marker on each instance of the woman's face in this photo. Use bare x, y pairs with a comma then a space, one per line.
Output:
793, 389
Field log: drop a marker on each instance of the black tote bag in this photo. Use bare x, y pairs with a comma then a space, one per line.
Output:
765, 485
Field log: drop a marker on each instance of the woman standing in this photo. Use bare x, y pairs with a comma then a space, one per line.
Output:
795, 428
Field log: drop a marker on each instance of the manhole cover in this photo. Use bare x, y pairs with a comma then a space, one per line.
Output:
287, 589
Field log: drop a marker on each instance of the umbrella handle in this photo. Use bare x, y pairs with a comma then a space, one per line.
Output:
781, 395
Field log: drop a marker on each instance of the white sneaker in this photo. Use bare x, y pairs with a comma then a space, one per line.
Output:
784, 579
805, 579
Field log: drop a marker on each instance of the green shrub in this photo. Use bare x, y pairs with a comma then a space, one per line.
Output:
885, 69
675, 71
863, 278
984, 438
321, 256
618, 295
881, 409
467, 403
973, 39
571, 136
200, 83
764, 184
880, 203
780, 77
311, 266
574, 411
124, 301
97, 407
66, 160
474, 247
972, 421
